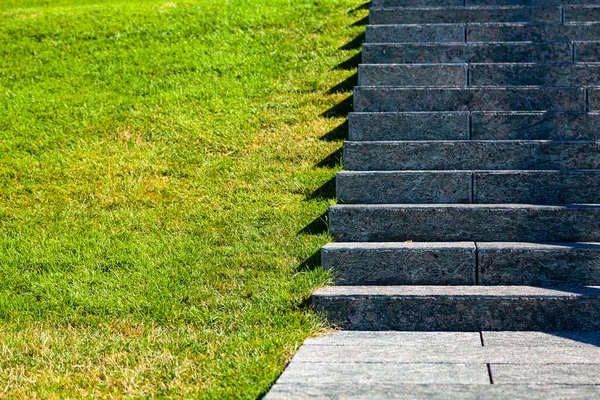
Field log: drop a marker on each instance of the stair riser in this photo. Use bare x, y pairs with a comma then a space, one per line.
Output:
472, 99
389, 266
383, 16
414, 33
534, 33
535, 265
469, 155
477, 53
455, 313
450, 3
535, 126
483, 126
409, 126
461, 75
468, 223
465, 187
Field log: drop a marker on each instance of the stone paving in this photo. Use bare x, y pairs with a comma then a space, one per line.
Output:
444, 365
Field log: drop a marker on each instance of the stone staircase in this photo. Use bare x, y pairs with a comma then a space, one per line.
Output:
471, 195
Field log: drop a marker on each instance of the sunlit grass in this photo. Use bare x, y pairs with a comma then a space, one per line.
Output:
156, 168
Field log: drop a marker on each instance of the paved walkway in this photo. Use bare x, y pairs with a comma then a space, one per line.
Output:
444, 365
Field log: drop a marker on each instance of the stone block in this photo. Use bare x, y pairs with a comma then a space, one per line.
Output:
413, 75
415, 33
520, 32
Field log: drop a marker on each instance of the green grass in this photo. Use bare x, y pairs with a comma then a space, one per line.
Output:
157, 166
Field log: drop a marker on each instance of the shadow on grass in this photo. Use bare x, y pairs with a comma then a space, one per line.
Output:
351, 63
345, 86
316, 227
364, 6
354, 43
311, 263
332, 160
336, 134
341, 109
324, 192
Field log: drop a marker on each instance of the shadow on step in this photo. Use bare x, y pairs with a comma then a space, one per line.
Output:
316, 227
592, 338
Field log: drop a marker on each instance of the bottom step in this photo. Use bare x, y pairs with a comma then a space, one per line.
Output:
460, 308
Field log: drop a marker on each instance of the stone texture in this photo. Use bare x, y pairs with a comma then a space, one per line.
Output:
469, 99
535, 126
404, 187
594, 99
537, 187
395, 338
422, 53
401, 263
415, 33
538, 264
460, 308
361, 391
402, 15
530, 3
587, 52
409, 126
565, 374
524, 74
418, 3
520, 32
582, 13
470, 155
413, 75
326, 371
450, 354
474, 222
500, 340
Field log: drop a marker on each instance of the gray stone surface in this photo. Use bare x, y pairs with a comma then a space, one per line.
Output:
469, 155
434, 392
415, 33
409, 126
582, 13
469, 99
587, 51
450, 354
413, 75
565, 374
519, 32
396, 338
461, 308
535, 126
325, 371
594, 99
474, 222
422, 53
404, 187
401, 263
538, 264
515, 74
501, 340
403, 15
537, 187
418, 3
518, 2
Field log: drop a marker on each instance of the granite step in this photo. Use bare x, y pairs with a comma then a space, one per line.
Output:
498, 3
502, 52
483, 32
539, 264
534, 32
461, 14
460, 308
463, 75
462, 125
463, 263
378, 99
467, 187
469, 222
437, 155
401, 263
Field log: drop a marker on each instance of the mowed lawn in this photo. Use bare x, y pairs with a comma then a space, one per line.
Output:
159, 162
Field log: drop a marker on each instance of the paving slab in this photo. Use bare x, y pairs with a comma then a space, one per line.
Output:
543, 374
396, 338
541, 339
416, 33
